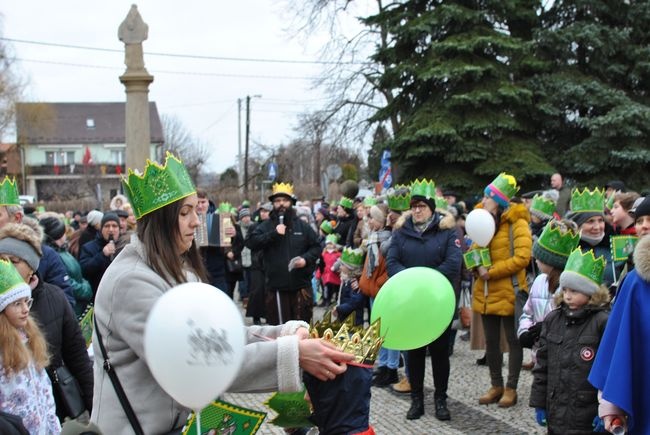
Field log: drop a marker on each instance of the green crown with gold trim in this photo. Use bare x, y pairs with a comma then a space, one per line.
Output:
9, 192
224, 207
10, 279
369, 201
559, 239
346, 202
587, 265
332, 238
543, 206
399, 198
352, 258
326, 227
506, 184
441, 203
158, 186
425, 188
588, 200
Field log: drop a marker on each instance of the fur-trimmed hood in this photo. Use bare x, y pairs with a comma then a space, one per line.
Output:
444, 222
642, 258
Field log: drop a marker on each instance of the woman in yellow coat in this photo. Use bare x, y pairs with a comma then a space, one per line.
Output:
496, 286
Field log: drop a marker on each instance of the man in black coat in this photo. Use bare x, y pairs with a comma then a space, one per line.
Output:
291, 250
97, 255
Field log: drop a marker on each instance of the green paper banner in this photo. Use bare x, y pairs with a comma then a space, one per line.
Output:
86, 324
223, 418
622, 247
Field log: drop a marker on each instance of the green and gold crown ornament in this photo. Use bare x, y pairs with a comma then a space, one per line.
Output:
369, 201
586, 266
425, 188
158, 186
346, 202
326, 227
9, 192
542, 207
558, 239
224, 207
399, 198
12, 285
441, 203
502, 189
352, 257
588, 201
332, 238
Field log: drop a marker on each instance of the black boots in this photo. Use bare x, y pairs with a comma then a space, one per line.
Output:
417, 408
385, 378
442, 413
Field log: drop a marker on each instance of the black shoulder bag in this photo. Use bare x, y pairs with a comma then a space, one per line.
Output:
67, 392
121, 395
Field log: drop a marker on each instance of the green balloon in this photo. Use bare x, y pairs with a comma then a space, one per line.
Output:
415, 305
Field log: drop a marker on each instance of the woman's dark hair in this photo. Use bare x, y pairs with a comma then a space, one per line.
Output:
553, 279
161, 251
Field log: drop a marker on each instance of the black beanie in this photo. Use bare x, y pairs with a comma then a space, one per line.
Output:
642, 209
581, 217
110, 216
431, 202
53, 227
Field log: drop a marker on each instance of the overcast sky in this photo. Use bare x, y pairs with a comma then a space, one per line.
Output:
201, 93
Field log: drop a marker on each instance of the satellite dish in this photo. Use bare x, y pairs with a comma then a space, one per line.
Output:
334, 172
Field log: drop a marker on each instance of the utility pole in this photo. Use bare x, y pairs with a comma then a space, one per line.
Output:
248, 129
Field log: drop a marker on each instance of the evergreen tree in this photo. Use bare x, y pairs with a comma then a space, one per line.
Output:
455, 67
593, 94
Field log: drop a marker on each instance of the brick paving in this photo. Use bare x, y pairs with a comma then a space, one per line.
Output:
467, 382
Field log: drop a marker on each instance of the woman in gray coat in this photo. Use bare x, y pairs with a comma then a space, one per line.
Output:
161, 255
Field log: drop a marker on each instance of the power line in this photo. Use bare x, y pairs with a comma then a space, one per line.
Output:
184, 56
207, 74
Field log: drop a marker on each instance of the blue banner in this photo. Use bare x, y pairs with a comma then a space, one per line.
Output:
385, 173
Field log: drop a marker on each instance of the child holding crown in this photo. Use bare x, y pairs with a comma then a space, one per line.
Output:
562, 396
161, 255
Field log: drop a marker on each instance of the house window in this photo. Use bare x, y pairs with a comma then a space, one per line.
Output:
60, 158
117, 157
90, 123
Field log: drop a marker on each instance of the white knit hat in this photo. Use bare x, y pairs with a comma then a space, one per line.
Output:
12, 285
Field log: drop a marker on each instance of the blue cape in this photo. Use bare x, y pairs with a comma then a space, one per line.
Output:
622, 366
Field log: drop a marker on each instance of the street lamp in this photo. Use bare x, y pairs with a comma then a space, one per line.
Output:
248, 128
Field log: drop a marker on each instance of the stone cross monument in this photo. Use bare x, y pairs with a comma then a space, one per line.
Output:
136, 80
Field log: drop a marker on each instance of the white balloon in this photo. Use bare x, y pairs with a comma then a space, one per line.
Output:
480, 226
194, 343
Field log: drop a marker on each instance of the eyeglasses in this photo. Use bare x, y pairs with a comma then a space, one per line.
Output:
19, 303
418, 206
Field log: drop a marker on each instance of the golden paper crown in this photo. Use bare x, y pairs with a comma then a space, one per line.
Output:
363, 344
282, 189
158, 186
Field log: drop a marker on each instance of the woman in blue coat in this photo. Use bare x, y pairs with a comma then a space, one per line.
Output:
427, 238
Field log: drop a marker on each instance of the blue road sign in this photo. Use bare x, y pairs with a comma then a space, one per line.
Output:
273, 171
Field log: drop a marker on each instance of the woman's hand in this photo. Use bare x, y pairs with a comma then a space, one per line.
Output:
230, 255
302, 333
483, 273
613, 420
321, 359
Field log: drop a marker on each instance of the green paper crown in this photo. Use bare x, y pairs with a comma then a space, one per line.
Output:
586, 265
224, 207
326, 226
159, 186
558, 239
543, 206
352, 258
441, 203
9, 192
425, 188
588, 200
369, 201
346, 202
506, 184
399, 198
10, 279
332, 238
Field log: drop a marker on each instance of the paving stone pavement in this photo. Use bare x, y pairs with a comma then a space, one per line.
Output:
466, 383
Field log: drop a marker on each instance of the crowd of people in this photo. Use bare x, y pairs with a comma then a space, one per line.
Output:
567, 275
